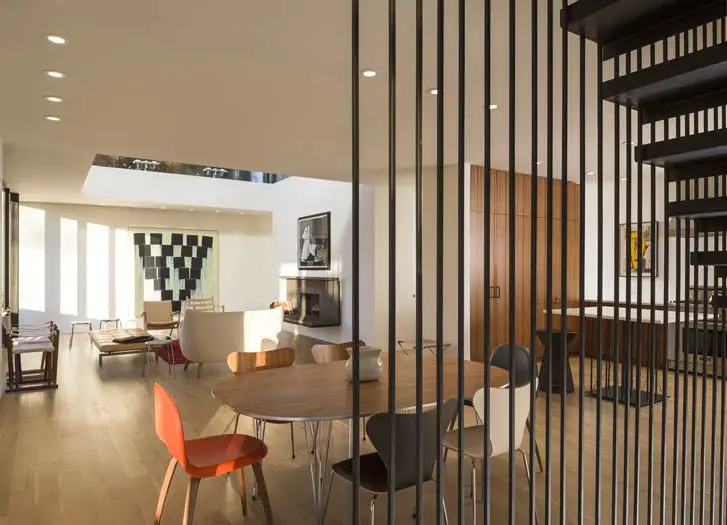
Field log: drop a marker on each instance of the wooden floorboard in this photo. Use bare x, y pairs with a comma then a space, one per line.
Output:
87, 453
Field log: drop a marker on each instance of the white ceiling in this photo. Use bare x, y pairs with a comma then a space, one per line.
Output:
251, 84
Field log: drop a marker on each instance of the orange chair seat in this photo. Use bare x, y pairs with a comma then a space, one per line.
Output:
217, 455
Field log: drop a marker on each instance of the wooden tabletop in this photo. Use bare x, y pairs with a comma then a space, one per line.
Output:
322, 392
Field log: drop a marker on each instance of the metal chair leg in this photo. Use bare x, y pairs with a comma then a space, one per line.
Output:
472, 494
372, 506
328, 497
537, 448
199, 370
528, 474
292, 441
189, 503
451, 427
444, 511
237, 420
70, 343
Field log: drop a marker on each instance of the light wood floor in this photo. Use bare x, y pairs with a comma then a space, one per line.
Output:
88, 454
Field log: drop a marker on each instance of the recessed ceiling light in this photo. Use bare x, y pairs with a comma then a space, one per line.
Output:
435, 91
624, 179
55, 74
242, 213
368, 73
217, 211
53, 99
538, 163
55, 39
624, 143
590, 173
53, 118
164, 207
494, 106
191, 209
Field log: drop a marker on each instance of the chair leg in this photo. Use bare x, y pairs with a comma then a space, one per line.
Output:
165, 490
527, 473
199, 370
372, 506
263, 491
537, 448
70, 343
189, 503
444, 511
350, 439
237, 420
243, 493
363, 428
292, 441
474, 498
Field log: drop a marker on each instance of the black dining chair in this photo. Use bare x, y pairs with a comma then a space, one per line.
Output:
374, 473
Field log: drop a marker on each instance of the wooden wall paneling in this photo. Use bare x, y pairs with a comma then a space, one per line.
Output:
523, 283
477, 176
500, 238
499, 186
543, 198
574, 202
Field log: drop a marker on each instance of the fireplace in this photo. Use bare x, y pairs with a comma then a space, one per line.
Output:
312, 301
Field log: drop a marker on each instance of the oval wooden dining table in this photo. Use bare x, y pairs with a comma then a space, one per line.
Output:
320, 393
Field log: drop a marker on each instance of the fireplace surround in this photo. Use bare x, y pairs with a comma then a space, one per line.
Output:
312, 301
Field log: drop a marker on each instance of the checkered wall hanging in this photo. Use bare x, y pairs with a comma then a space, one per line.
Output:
174, 265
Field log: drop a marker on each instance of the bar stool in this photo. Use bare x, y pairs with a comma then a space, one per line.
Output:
554, 378
102, 324
74, 324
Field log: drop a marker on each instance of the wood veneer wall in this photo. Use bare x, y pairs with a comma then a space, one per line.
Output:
499, 258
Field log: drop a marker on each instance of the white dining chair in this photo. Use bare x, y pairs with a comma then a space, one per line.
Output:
209, 337
499, 442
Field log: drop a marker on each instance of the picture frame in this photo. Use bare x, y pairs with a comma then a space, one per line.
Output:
314, 242
647, 256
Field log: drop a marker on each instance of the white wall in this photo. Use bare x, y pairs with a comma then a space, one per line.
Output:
297, 197
247, 279
591, 244
406, 258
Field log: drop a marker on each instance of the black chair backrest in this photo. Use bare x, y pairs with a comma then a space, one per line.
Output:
407, 467
500, 358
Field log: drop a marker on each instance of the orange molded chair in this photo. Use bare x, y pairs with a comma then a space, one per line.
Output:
206, 458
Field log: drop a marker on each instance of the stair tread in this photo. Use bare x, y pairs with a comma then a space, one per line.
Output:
698, 208
708, 258
608, 20
712, 224
711, 145
686, 77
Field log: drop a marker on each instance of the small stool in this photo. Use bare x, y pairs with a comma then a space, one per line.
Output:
73, 329
102, 324
554, 377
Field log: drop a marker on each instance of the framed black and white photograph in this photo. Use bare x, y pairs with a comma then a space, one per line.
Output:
314, 242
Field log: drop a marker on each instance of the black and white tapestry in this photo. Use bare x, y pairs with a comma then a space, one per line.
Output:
174, 265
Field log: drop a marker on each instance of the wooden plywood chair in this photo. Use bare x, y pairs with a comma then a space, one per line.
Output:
205, 304
241, 363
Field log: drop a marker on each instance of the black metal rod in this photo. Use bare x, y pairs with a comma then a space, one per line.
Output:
511, 262
723, 382
694, 306
677, 497
533, 246
391, 496
581, 276
627, 364
639, 316
616, 292
564, 267
487, 189
715, 352
440, 253
419, 251
665, 345
355, 287
6, 248
549, 272
461, 119
599, 297
652, 327
705, 304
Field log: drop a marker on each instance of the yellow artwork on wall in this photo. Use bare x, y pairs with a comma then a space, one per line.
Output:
638, 251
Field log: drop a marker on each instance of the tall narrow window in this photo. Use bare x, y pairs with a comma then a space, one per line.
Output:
97, 271
124, 278
31, 278
69, 266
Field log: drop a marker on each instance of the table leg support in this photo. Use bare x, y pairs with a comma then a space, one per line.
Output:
318, 442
